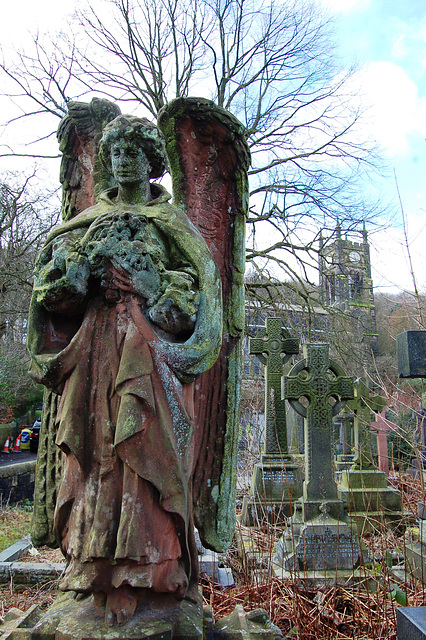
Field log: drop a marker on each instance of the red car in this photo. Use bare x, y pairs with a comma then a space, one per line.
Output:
34, 437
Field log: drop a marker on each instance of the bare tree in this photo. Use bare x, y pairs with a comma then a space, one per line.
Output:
269, 63
26, 215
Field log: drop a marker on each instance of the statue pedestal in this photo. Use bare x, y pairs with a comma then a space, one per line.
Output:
276, 485
370, 502
162, 617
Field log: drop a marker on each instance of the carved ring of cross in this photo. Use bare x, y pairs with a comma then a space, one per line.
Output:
321, 385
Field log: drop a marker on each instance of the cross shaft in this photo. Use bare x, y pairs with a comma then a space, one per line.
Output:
318, 381
273, 346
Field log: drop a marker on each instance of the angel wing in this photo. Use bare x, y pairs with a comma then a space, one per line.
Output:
82, 177
209, 158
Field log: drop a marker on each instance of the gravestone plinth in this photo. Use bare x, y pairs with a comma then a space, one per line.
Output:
276, 485
371, 503
277, 480
319, 537
323, 544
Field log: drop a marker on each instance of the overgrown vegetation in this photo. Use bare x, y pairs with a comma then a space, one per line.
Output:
364, 610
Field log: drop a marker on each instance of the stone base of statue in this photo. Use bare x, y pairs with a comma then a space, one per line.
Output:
276, 485
370, 502
160, 618
324, 543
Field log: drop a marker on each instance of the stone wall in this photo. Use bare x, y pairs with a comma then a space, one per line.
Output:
17, 482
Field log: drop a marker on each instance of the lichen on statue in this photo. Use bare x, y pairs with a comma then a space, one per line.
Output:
126, 313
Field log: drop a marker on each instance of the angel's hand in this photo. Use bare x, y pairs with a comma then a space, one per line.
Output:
147, 283
170, 317
118, 278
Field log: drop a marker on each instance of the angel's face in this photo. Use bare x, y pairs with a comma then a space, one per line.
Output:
129, 163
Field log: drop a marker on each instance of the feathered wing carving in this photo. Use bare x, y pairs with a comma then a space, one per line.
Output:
82, 177
209, 158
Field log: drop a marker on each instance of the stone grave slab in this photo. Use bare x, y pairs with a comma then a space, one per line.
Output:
251, 625
411, 623
18, 624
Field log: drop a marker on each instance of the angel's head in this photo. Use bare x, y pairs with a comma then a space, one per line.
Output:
142, 133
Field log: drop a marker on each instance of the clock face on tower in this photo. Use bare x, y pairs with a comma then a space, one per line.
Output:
354, 257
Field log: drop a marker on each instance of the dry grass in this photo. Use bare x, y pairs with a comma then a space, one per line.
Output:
23, 596
14, 525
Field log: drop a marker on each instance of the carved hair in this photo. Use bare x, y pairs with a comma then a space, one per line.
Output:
141, 131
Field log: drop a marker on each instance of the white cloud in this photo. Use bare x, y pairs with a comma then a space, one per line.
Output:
396, 110
389, 257
346, 6
20, 18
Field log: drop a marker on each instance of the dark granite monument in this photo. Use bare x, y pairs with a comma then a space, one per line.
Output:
135, 328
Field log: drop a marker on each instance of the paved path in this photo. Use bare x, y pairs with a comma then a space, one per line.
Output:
14, 458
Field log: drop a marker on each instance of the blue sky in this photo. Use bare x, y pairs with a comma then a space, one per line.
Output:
387, 38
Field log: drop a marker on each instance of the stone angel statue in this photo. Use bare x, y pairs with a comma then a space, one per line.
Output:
135, 326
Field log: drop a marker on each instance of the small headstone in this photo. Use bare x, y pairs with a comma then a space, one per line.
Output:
411, 351
381, 427
277, 481
345, 457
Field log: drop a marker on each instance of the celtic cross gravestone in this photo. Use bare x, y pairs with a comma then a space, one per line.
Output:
273, 346
319, 538
316, 387
276, 478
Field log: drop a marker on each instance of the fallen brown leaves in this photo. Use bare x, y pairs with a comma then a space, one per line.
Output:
23, 596
329, 613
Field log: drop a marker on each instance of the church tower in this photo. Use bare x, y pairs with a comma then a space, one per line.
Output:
346, 283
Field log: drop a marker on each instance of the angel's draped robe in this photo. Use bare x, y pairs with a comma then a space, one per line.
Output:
125, 418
